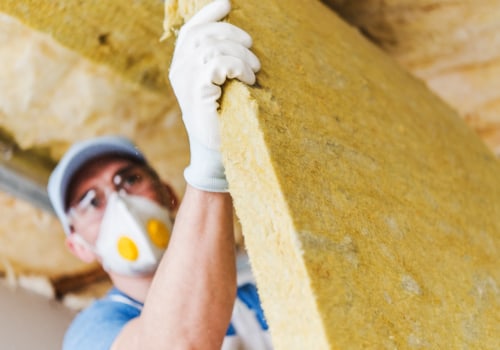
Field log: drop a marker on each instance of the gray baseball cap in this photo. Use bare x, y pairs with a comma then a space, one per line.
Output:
77, 156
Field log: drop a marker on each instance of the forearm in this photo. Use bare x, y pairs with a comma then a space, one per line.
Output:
190, 301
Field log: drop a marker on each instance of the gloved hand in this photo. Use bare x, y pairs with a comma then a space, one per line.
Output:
207, 53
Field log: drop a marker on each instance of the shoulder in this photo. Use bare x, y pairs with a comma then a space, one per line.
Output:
97, 326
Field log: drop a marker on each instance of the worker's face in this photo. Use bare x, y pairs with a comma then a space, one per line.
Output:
92, 185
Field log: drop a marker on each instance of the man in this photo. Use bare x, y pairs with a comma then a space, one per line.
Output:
174, 284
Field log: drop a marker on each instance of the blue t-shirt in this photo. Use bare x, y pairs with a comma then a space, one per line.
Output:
97, 326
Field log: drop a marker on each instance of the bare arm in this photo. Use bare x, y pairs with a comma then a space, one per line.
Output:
190, 302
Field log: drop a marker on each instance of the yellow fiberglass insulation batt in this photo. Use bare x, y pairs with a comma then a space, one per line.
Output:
370, 210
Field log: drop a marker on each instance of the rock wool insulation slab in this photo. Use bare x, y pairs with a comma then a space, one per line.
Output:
121, 35
370, 210
462, 61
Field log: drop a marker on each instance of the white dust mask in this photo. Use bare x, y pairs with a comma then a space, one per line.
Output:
133, 236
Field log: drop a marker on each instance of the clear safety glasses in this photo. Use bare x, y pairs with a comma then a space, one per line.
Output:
132, 179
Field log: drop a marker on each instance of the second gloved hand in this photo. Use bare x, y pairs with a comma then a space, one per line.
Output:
207, 53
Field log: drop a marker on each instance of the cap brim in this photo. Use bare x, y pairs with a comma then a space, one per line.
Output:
76, 157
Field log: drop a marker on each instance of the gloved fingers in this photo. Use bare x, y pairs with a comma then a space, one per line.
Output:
219, 31
211, 92
196, 36
222, 67
213, 48
216, 60
212, 12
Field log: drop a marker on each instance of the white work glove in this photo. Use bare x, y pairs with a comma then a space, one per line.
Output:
207, 53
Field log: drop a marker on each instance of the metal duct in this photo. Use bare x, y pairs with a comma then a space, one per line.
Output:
24, 174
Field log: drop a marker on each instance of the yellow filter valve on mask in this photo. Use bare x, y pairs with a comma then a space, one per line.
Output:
159, 233
127, 249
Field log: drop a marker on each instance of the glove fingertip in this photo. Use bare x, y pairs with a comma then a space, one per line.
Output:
248, 79
255, 64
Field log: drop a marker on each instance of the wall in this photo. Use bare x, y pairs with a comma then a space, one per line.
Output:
30, 321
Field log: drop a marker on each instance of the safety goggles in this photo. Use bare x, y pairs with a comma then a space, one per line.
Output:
132, 179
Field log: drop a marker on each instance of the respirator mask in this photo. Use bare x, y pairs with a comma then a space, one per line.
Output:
133, 236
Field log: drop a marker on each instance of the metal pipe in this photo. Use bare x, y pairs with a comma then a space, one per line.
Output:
24, 173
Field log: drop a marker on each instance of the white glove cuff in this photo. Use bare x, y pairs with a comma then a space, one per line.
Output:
205, 171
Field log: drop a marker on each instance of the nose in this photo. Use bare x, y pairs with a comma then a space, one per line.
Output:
109, 191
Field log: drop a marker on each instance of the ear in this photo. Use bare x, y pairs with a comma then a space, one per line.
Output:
82, 252
170, 198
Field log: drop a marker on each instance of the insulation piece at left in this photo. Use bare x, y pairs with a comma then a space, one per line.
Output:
51, 96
